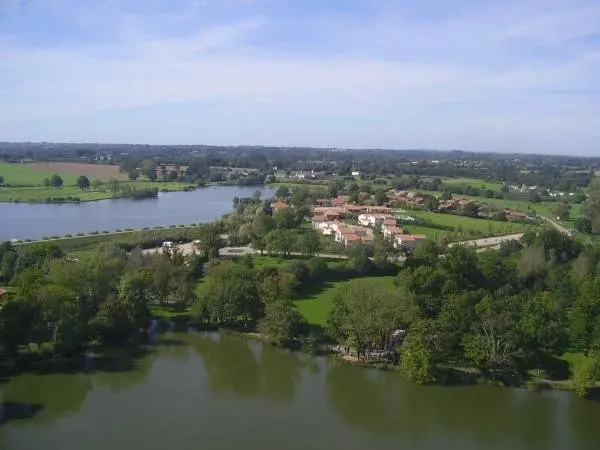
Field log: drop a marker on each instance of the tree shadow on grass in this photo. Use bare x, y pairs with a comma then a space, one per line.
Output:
10, 411
311, 289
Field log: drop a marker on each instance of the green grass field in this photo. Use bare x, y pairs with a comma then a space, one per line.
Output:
474, 182
40, 194
465, 228
317, 302
23, 174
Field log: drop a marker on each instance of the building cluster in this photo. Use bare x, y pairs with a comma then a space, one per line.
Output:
332, 216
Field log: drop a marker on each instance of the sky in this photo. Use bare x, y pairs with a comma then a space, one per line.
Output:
477, 75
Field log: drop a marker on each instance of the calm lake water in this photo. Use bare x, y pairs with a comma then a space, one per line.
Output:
212, 391
25, 221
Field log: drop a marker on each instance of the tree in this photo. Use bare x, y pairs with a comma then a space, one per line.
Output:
47, 182
418, 353
97, 183
431, 203
1, 180
383, 249
36, 255
16, 319
8, 261
562, 210
542, 326
114, 186
210, 241
83, 182
585, 373
310, 243
366, 315
359, 257
148, 168
583, 225
279, 241
488, 351
584, 317
281, 321
285, 218
282, 193
471, 209
591, 207
56, 181
151, 174
381, 197
229, 294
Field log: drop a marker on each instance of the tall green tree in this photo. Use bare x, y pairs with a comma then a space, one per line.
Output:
310, 243
83, 183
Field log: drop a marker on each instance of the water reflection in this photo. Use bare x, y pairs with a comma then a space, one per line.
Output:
245, 368
217, 387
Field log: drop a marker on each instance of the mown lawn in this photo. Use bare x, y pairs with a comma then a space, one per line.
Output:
316, 302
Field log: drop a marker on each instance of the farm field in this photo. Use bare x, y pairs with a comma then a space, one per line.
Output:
317, 302
33, 174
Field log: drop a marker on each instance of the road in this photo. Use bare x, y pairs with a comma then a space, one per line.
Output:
188, 249
491, 241
485, 243
558, 226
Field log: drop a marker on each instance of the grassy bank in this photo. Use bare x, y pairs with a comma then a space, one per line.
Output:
82, 246
39, 194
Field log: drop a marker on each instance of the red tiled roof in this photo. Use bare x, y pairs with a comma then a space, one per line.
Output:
395, 230
3, 292
279, 205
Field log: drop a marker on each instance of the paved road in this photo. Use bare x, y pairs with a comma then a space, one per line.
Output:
188, 249
491, 241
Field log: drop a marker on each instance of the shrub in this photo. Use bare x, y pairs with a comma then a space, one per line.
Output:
80, 234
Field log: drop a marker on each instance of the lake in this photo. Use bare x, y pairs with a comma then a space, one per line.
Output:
213, 391
34, 221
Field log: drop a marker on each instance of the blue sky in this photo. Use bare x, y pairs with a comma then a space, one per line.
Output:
477, 75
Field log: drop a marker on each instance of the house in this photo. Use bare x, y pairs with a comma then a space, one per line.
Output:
340, 200
355, 173
3, 293
277, 206
392, 231
389, 222
349, 238
408, 241
516, 215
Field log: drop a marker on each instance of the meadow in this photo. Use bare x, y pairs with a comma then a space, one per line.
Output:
25, 182
473, 182
316, 302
